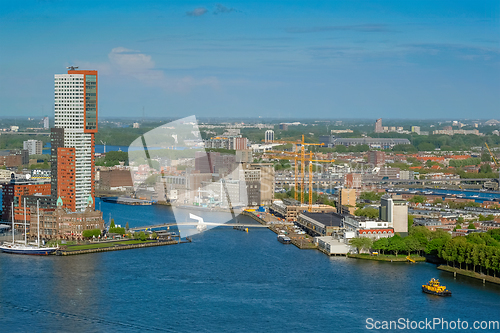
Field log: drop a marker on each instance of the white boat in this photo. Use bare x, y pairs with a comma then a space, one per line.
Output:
25, 248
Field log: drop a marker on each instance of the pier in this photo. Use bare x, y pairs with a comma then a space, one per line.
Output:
127, 201
116, 247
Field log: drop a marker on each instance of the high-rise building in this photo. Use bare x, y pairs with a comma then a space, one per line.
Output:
378, 126
34, 147
72, 138
353, 180
377, 158
46, 122
394, 210
347, 201
18, 190
269, 136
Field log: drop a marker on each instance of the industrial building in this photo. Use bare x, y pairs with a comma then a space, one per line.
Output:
331, 141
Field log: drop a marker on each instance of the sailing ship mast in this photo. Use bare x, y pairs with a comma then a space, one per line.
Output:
25, 221
12, 210
38, 221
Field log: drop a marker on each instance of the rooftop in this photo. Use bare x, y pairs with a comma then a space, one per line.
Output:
327, 219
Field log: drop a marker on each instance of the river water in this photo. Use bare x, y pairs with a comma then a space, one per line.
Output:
224, 281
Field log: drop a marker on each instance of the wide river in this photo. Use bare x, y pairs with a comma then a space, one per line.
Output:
225, 281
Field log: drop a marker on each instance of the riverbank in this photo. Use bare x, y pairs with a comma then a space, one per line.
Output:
474, 275
114, 246
391, 258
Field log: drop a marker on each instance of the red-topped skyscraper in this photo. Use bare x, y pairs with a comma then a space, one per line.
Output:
72, 138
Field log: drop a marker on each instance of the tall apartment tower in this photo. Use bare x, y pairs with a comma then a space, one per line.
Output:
72, 138
346, 203
34, 147
269, 136
378, 126
377, 158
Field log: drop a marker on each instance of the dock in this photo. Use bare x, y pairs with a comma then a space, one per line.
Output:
299, 241
127, 201
118, 247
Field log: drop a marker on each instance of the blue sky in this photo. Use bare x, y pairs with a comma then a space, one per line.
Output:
287, 59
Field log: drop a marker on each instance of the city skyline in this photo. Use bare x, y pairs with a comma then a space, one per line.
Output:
327, 60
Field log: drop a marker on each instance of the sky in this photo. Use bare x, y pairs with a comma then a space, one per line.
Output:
280, 59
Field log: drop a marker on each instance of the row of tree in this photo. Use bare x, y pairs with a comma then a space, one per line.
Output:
479, 252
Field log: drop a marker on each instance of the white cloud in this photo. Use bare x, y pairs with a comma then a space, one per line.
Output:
197, 11
134, 64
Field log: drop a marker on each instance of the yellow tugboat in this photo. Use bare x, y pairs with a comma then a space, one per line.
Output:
433, 287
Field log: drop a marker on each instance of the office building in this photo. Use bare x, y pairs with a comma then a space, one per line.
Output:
46, 122
377, 143
16, 191
269, 136
34, 147
72, 138
14, 158
60, 223
394, 209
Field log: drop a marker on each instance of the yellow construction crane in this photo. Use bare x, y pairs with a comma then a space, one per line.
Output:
491, 154
296, 143
303, 160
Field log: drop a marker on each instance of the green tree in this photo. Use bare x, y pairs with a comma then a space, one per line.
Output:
117, 230
112, 225
367, 211
126, 226
418, 199
411, 244
471, 226
485, 157
370, 195
410, 220
460, 219
485, 168
361, 243
396, 244
154, 235
426, 146
91, 233
381, 244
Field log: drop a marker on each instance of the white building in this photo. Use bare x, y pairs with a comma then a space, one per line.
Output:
269, 136
34, 147
75, 106
394, 209
46, 122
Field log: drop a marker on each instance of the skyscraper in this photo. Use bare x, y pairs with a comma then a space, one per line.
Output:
72, 138
378, 126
